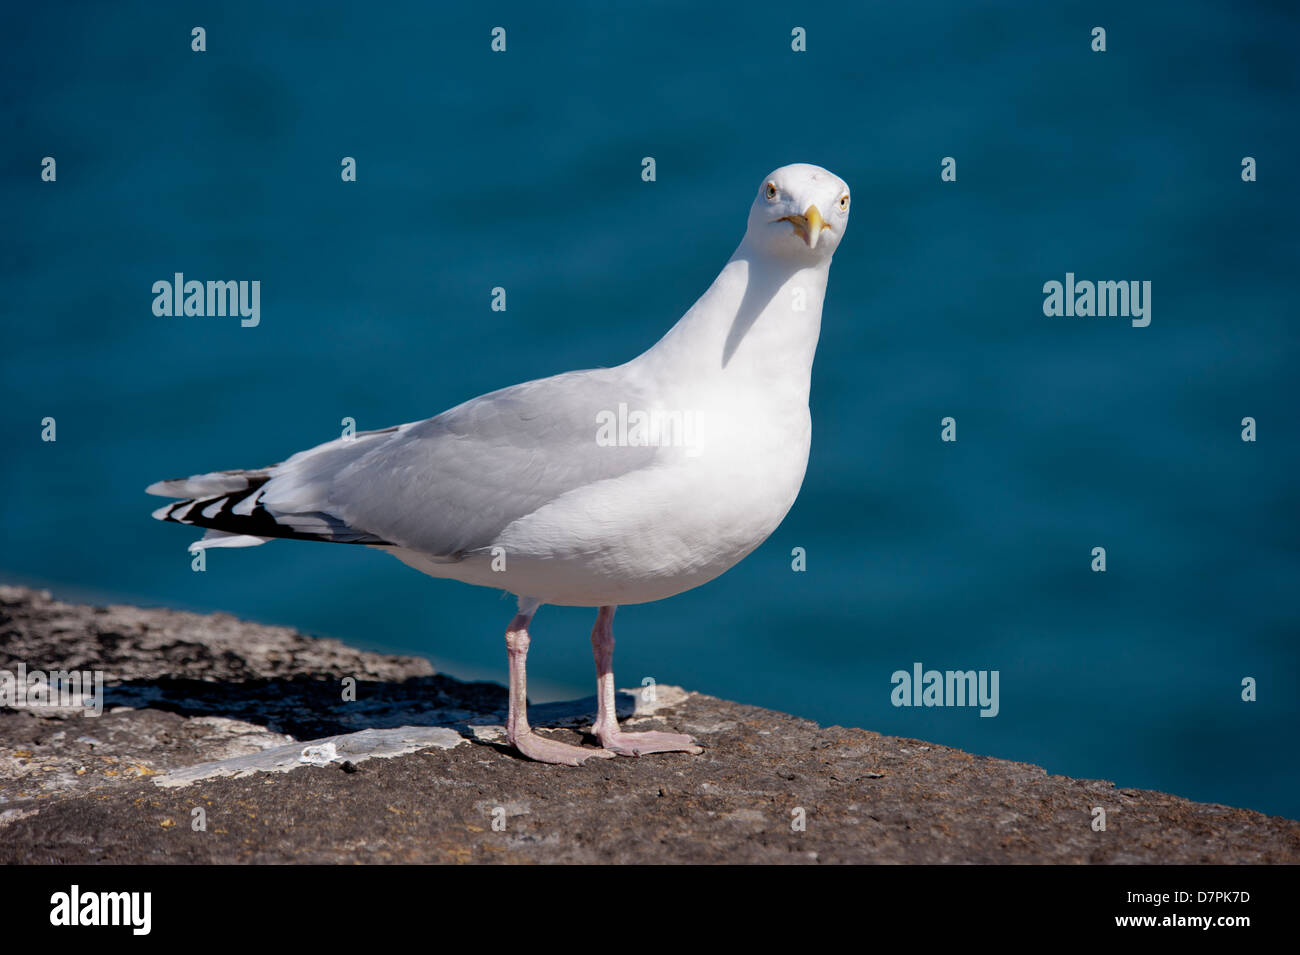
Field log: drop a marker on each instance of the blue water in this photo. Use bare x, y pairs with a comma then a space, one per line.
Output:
522, 170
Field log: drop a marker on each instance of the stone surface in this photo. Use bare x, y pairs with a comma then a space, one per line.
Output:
249, 724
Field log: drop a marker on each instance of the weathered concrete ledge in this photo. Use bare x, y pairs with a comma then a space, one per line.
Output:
246, 728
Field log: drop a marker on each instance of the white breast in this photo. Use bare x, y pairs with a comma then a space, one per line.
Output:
740, 361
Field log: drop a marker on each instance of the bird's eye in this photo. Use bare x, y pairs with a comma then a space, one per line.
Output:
770, 191
844, 203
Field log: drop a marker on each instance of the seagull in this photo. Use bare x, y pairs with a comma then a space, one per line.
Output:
592, 488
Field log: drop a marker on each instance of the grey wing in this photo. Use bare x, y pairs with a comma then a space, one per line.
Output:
450, 484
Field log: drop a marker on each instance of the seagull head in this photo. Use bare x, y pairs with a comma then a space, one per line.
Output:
800, 213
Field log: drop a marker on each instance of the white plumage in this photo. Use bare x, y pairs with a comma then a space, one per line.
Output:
523, 490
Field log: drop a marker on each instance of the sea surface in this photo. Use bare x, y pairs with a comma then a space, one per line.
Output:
522, 169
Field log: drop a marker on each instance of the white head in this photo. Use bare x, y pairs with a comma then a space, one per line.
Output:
800, 213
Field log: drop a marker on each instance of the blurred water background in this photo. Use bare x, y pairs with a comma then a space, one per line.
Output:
522, 170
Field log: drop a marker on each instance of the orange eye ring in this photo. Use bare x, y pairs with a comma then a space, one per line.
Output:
770, 191
844, 203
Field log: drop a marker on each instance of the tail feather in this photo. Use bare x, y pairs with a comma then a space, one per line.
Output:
222, 539
229, 505
232, 505
207, 485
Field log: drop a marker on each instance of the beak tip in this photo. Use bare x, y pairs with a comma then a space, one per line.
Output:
816, 225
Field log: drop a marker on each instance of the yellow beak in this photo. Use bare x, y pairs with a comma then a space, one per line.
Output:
809, 226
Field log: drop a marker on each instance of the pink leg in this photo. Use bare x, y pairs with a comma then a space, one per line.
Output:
519, 733
606, 728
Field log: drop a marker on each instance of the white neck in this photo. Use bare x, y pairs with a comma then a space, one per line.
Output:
747, 332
